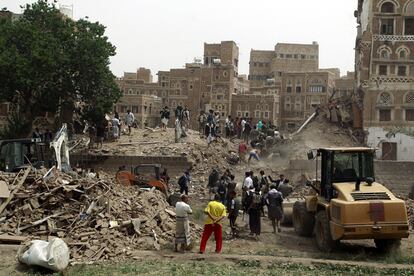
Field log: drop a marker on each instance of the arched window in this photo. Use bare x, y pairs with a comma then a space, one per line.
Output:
385, 98
385, 53
239, 107
402, 53
409, 98
409, 8
387, 7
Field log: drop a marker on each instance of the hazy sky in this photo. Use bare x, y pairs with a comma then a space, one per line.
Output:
163, 34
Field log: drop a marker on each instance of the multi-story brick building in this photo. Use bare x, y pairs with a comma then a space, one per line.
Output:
268, 66
344, 86
385, 75
302, 93
141, 98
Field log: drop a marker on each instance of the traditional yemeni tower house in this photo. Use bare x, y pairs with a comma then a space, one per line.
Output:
384, 71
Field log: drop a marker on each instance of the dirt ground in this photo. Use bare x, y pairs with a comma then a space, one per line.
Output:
284, 247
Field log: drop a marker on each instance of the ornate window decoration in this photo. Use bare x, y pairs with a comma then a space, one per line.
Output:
384, 52
409, 98
384, 99
387, 7
409, 8
403, 52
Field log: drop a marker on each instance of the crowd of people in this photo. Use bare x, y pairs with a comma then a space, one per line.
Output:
256, 193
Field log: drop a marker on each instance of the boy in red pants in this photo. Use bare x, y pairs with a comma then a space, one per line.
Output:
215, 211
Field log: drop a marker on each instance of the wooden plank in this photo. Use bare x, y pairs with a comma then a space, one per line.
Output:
19, 185
12, 239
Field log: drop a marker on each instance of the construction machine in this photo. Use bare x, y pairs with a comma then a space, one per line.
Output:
145, 175
16, 154
348, 204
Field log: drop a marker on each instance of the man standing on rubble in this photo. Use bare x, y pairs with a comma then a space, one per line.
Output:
182, 230
215, 212
129, 120
183, 182
165, 117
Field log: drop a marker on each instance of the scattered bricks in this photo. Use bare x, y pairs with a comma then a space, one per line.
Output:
34, 203
27, 210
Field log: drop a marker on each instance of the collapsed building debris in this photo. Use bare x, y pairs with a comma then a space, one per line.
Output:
99, 220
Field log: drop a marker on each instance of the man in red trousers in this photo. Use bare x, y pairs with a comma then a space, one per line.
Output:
215, 211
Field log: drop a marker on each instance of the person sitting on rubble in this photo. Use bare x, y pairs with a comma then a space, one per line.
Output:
182, 229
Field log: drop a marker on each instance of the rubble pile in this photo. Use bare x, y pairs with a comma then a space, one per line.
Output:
410, 211
99, 220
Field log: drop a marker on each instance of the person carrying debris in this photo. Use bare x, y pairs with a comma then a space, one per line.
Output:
215, 212
274, 200
184, 181
129, 120
233, 207
182, 229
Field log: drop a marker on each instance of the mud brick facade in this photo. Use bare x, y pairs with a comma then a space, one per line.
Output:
384, 72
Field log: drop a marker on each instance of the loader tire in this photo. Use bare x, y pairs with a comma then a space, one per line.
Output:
388, 245
303, 221
323, 235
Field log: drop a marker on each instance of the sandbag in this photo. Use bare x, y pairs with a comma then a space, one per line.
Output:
53, 255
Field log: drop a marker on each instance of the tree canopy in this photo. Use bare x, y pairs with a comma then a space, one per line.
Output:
49, 62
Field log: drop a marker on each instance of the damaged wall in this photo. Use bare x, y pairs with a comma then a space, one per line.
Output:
404, 143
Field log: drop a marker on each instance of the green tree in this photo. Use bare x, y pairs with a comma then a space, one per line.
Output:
50, 63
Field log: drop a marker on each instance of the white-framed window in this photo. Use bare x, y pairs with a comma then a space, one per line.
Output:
266, 114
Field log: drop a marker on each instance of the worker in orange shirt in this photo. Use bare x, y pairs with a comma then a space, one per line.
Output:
215, 211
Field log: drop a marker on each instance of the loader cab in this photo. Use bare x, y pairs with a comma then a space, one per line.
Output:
344, 165
18, 153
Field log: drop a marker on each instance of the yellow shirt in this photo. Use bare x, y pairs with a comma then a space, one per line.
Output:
216, 210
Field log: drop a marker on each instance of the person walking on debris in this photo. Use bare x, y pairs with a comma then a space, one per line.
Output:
129, 120
182, 230
213, 179
165, 117
274, 200
254, 204
183, 182
186, 117
246, 187
231, 187
242, 152
115, 128
233, 207
283, 186
215, 212
247, 130
222, 189
100, 134
202, 121
227, 126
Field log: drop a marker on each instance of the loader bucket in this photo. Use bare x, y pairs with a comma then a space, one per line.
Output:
288, 210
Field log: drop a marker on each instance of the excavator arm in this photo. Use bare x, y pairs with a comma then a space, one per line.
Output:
60, 146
